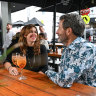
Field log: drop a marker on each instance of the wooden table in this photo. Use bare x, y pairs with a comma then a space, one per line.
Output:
53, 59
38, 85
54, 54
56, 44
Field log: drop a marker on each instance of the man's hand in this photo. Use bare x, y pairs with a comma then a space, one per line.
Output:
40, 72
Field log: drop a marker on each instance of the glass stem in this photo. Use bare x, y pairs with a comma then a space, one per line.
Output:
21, 72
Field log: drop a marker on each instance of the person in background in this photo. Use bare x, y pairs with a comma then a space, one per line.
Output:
16, 37
78, 61
43, 41
36, 54
10, 33
43, 31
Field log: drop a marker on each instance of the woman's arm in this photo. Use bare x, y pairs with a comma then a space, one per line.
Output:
8, 63
44, 59
12, 70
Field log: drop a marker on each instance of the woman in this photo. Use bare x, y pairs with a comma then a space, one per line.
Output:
36, 54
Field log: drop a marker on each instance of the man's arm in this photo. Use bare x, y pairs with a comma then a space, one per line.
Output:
71, 71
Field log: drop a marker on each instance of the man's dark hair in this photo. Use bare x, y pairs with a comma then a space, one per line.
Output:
75, 22
42, 34
9, 24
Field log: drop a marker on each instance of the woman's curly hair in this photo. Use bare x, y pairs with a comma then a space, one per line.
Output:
24, 32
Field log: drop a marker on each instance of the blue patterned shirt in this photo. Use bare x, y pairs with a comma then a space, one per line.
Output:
78, 64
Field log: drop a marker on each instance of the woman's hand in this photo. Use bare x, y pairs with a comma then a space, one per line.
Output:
13, 71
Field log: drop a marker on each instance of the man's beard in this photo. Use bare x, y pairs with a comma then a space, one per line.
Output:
63, 40
59, 40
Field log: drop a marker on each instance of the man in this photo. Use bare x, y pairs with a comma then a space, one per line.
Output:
43, 41
43, 31
10, 33
78, 61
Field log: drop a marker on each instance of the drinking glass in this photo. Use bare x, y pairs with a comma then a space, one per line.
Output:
21, 62
14, 58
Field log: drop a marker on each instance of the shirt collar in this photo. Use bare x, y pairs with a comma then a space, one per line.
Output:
76, 43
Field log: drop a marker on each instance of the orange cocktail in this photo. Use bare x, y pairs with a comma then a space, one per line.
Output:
14, 60
21, 62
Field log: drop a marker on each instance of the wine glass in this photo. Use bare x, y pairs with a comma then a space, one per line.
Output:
14, 58
21, 62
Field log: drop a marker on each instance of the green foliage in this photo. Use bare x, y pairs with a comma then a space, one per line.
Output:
2, 58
